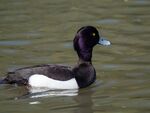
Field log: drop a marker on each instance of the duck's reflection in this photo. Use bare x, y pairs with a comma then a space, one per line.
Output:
54, 93
82, 97
40, 92
84, 101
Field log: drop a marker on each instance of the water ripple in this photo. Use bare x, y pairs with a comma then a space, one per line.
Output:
15, 43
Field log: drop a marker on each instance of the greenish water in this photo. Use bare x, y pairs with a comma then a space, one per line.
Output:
36, 32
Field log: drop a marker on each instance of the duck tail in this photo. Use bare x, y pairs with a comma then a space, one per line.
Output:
3, 81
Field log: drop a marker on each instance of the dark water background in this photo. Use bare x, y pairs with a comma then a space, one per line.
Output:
41, 31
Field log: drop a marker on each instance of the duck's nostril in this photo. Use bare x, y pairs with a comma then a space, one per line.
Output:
103, 41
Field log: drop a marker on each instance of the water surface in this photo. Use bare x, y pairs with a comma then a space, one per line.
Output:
37, 32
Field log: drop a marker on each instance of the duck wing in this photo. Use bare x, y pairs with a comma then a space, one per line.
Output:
57, 72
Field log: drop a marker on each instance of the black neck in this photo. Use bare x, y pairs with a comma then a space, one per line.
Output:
85, 56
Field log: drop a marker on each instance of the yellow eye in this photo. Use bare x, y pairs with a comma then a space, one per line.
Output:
93, 34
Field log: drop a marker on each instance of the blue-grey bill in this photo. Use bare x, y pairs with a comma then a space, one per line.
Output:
103, 41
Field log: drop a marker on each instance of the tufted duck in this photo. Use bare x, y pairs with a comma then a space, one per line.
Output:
59, 76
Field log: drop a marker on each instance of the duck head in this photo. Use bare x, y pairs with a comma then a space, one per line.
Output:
85, 39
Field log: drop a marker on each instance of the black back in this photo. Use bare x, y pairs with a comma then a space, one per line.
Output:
57, 72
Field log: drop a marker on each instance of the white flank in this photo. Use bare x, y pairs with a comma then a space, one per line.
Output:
41, 81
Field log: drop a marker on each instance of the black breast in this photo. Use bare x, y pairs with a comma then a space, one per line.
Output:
85, 74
